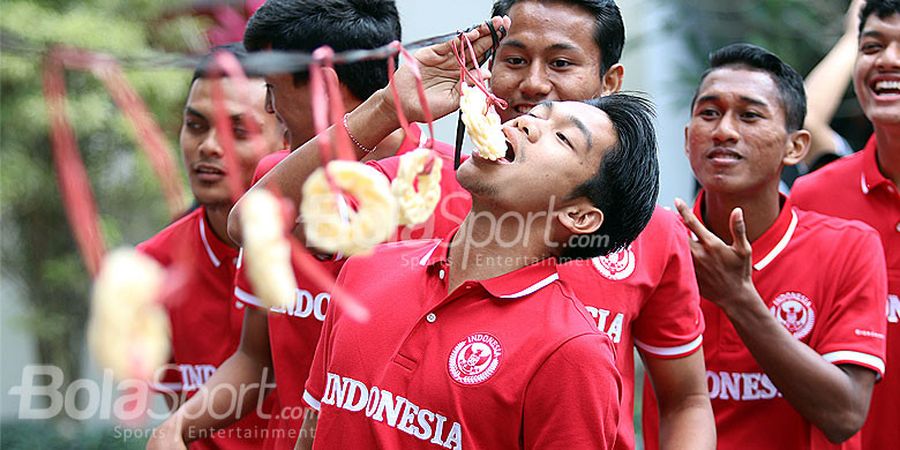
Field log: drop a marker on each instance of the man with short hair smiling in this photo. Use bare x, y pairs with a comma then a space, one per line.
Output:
645, 295
864, 186
792, 299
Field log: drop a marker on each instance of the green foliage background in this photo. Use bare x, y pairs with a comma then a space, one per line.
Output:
38, 251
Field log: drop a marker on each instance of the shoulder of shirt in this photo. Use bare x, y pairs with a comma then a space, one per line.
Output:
846, 168
836, 228
398, 249
268, 162
171, 236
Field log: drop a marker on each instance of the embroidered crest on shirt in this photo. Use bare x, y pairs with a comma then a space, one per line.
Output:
475, 359
795, 311
615, 266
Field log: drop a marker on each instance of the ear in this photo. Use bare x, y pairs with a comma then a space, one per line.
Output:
798, 146
686, 153
350, 101
580, 217
612, 79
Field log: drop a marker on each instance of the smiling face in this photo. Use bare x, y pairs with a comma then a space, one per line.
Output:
737, 140
549, 54
876, 77
203, 154
552, 150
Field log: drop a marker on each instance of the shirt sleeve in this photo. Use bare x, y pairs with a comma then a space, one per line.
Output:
670, 323
572, 401
854, 326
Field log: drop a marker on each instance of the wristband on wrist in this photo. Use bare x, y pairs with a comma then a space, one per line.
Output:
356, 142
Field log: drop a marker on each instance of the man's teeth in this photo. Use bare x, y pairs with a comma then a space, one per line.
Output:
887, 86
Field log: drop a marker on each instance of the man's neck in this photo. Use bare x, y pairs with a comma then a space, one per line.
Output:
217, 218
888, 152
484, 248
760, 209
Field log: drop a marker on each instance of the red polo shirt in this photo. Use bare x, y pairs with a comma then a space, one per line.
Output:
854, 188
824, 279
644, 296
294, 330
509, 362
206, 323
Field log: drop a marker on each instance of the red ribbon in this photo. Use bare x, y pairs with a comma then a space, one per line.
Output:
71, 176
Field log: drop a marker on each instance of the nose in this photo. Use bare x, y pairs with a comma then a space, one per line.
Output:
529, 126
536, 85
725, 130
889, 59
210, 147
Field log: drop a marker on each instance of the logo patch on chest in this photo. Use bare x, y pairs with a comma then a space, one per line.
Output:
615, 266
474, 359
795, 312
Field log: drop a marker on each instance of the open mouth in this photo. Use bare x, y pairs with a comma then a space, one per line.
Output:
724, 155
886, 87
208, 172
523, 108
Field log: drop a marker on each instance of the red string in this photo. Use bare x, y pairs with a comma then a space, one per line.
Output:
477, 79
225, 137
150, 137
71, 175
420, 90
233, 70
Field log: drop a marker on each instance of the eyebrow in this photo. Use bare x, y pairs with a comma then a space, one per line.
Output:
871, 33
744, 98
192, 111
588, 137
558, 46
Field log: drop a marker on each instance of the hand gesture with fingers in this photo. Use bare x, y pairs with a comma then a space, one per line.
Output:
440, 74
724, 272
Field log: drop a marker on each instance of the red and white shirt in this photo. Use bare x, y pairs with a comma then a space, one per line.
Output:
854, 188
205, 321
644, 296
294, 330
509, 362
824, 279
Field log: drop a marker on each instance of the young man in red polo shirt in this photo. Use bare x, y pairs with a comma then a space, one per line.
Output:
486, 347
644, 296
864, 187
206, 324
792, 299
284, 339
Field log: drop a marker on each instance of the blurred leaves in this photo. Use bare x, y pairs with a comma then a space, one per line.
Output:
38, 251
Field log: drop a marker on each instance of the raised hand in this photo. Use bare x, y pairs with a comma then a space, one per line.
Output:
724, 272
440, 74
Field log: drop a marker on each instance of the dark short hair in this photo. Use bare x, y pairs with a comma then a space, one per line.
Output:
207, 67
626, 185
787, 80
304, 25
609, 29
881, 8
